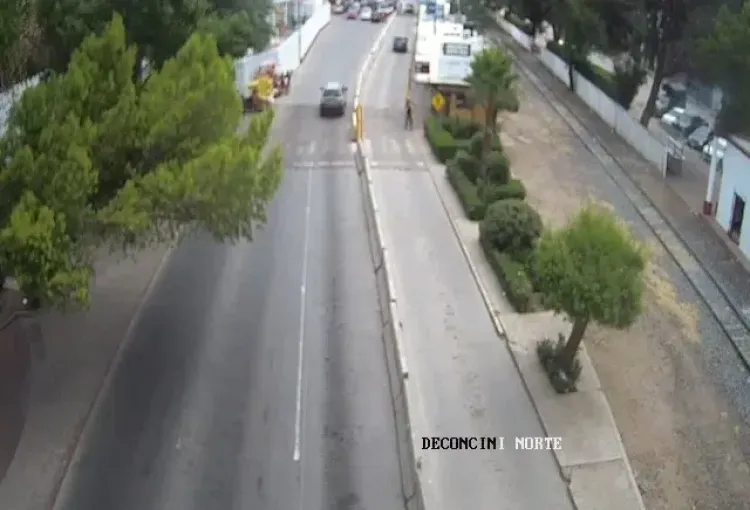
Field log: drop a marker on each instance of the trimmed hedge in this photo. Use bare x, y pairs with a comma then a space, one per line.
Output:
512, 277
490, 193
511, 226
448, 135
466, 192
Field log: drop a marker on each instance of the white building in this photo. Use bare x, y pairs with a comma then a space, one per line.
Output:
734, 192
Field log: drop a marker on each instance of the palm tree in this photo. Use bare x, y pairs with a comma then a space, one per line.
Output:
493, 84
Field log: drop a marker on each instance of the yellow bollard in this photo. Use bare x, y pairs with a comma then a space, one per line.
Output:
360, 123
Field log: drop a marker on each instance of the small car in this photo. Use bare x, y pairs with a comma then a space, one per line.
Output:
352, 13
400, 44
699, 138
366, 14
338, 9
333, 100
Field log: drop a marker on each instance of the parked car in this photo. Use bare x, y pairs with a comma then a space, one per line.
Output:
699, 138
689, 123
400, 44
366, 14
333, 100
708, 149
338, 9
353, 12
673, 116
678, 119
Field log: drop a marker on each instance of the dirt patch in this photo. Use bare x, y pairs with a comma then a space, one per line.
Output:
678, 428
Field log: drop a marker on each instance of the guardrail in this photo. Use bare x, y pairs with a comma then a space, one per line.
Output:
398, 372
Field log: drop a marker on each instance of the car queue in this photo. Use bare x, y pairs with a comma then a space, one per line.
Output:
372, 11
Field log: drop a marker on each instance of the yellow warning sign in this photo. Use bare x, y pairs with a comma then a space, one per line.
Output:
438, 101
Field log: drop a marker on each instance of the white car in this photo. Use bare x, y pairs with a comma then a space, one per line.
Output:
708, 149
673, 117
366, 14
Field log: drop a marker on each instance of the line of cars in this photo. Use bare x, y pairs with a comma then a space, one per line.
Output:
693, 129
373, 11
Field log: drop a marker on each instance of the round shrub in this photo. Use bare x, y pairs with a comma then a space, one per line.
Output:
496, 168
511, 226
475, 144
491, 193
468, 165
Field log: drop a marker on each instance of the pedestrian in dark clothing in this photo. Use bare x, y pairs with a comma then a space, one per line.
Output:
409, 116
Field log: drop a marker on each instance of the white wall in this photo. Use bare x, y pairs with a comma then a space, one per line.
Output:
735, 179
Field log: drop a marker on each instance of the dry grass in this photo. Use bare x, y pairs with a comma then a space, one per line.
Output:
678, 428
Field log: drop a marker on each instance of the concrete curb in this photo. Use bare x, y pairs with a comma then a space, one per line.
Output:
401, 392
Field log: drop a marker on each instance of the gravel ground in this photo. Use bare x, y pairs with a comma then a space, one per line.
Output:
677, 389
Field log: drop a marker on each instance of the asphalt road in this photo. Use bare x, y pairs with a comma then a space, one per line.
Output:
463, 373
209, 408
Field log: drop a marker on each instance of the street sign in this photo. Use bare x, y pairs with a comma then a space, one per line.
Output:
438, 101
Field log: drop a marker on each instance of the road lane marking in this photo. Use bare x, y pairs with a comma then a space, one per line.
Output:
302, 310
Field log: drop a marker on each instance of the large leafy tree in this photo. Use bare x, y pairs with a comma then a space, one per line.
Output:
19, 40
493, 84
590, 270
725, 52
91, 158
157, 28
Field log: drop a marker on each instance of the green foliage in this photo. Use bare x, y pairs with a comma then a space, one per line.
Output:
563, 377
468, 164
592, 270
496, 168
724, 52
493, 84
19, 40
491, 193
236, 32
512, 277
91, 159
466, 192
582, 28
511, 226
460, 128
447, 135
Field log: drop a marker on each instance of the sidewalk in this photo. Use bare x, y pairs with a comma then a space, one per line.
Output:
79, 348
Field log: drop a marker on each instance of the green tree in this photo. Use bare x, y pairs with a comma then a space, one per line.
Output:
493, 83
236, 32
19, 40
590, 270
91, 159
582, 31
725, 52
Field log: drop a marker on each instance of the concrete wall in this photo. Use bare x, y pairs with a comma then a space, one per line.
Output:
286, 55
8, 98
735, 180
610, 112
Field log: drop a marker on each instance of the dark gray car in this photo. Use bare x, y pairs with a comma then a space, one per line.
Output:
699, 138
333, 100
400, 44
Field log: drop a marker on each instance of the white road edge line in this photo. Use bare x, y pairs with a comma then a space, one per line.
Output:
302, 312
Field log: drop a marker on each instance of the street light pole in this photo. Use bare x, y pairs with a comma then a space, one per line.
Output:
299, 30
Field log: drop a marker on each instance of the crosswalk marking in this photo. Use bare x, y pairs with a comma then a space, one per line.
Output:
389, 148
321, 164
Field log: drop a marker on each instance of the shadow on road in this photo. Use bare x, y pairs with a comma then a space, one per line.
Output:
15, 364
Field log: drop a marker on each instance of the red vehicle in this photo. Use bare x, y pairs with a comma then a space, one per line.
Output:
352, 14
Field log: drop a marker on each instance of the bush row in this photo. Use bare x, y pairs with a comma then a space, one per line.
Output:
509, 227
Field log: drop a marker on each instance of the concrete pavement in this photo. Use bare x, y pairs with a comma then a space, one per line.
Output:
255, 377
466, 381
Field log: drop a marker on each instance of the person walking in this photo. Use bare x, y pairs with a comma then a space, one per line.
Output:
409, 122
